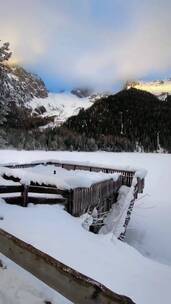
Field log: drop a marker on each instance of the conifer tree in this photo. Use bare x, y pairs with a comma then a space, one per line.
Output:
5, 53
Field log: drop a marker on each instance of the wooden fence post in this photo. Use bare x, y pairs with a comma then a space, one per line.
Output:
70, 205
24, 195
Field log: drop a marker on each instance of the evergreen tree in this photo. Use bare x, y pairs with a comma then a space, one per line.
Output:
3, 120
5, 53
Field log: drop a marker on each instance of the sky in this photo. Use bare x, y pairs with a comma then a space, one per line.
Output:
96, 43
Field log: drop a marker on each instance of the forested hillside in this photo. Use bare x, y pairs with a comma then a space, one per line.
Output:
130, 120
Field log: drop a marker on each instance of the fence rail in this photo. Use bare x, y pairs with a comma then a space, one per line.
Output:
77, 200
73, 285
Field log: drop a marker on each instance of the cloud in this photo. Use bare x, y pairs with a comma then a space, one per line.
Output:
89, 42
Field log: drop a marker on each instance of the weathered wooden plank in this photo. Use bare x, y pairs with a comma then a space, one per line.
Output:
24, 195
10, 188
46, 200
95, 196
17, 179
68, 166
43, 189
15, 200
73, 285
18, 200
48, 189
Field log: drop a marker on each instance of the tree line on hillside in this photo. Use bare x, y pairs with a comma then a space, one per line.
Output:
130, 120
117, 123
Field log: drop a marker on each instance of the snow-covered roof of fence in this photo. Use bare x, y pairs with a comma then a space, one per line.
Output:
62, 179
140, 172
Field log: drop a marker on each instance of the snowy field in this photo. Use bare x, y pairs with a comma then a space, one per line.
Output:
142, 272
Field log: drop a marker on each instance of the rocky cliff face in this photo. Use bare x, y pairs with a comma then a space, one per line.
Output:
19, 86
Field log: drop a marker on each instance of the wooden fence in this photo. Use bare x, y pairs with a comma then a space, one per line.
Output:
73, 285
126, 175
77, 201
100, 195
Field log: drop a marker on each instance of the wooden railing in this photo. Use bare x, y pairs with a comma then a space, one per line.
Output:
73, 285
77, 201
100, 195
25, 193
126, 175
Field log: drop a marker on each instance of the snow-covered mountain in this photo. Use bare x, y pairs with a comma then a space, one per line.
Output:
25, 95
58, 106
82, 92
19, 86
160, 88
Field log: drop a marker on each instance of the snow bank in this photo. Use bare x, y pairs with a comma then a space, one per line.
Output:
113, 263
114, 222
102, 257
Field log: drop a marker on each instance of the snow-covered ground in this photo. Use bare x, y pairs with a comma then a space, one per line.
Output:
144, 276
59, 105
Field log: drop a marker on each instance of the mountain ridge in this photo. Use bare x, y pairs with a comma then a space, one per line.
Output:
131, 119
32, 118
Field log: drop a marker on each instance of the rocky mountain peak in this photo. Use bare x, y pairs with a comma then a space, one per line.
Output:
82, 92
20, 86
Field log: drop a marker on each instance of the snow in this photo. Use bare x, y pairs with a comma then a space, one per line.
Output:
7, 182
158, 88
23, 288
12, 76
60, 105
122, 268
63, 179
145, 276
114, 222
